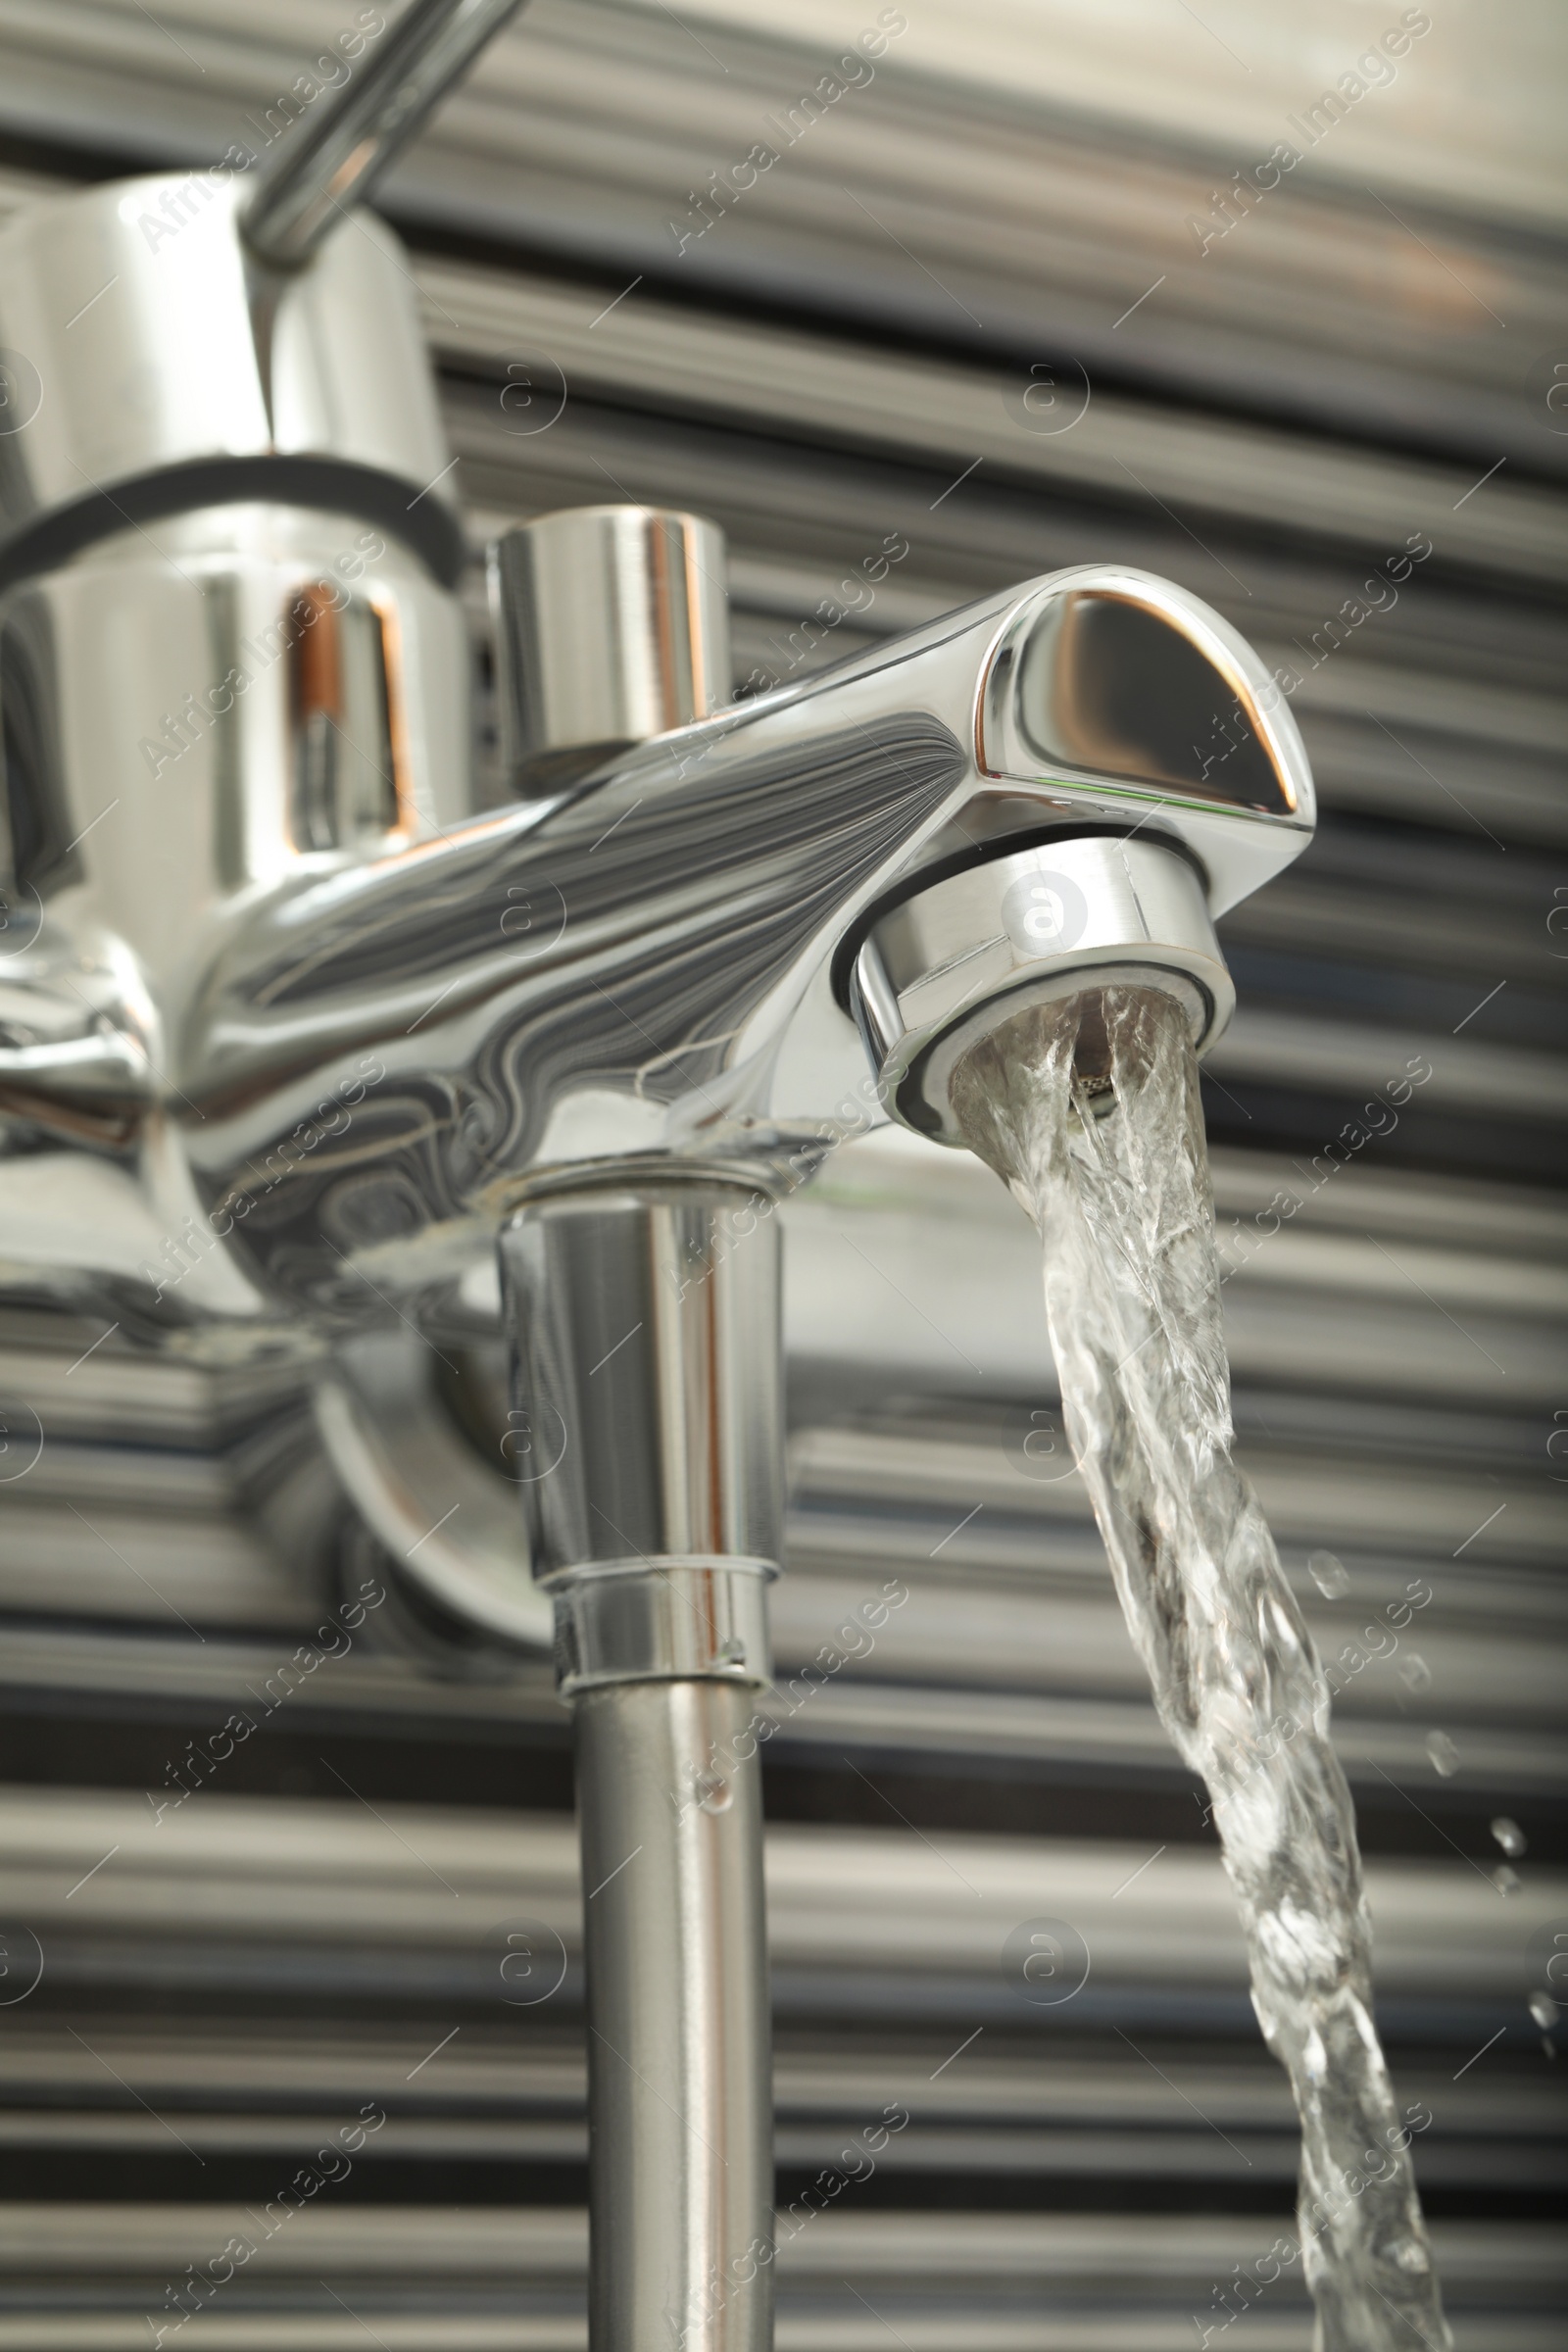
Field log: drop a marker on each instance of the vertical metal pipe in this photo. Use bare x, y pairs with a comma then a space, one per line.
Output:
679, 2062
647, 1385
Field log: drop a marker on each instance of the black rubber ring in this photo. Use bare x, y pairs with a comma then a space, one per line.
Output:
329, 485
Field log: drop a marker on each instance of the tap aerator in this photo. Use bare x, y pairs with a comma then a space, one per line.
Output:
1107, 691
947, 964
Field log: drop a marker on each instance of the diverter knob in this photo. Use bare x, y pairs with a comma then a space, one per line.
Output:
612, 625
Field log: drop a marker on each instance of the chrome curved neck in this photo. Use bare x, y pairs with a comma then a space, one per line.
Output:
356, 1066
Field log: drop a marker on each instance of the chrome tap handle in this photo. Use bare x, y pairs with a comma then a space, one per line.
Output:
611, 626
340, 155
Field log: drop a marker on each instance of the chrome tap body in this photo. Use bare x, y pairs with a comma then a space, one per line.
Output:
292, 1035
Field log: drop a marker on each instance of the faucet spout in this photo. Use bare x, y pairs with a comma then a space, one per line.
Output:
660, 961
355, 1066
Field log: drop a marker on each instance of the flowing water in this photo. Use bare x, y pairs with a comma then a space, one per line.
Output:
1125, 1213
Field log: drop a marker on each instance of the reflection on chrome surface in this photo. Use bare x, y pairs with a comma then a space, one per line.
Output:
322, 1075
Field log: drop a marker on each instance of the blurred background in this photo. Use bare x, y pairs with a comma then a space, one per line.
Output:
1034, 285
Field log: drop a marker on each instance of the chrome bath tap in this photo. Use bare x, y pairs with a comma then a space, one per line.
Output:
294, 1038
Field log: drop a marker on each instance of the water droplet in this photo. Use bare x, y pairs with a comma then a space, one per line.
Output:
1331, 1575
1445, 1755
1414, 1672
1510, 1837
1506, 1878
1411, 2255
713, 1793
1544, 2010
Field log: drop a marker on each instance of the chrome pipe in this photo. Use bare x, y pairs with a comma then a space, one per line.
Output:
648, 1383
679, 2036
338, 157
648, 1426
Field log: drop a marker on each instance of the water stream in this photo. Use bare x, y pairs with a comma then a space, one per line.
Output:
1123, 1204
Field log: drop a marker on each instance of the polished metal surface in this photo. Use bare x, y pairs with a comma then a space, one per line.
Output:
154, 376
943, 967
343, 151
646, 1433
647, 1416
333, 1074
612, 624
312, 386
679, 2036
647, 1424
1121, 679
667, 1621
267, 694
444, 1516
